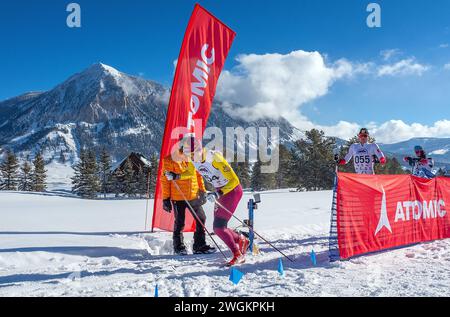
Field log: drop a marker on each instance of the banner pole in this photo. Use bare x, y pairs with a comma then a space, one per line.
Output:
333, 243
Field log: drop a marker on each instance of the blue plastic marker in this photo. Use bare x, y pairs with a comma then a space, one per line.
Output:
236, 276
280, 267
156, 291
313, 258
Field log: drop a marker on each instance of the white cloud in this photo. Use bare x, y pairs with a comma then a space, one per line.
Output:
396, 130
274, 85
392, 131
444, 45
404, 67
344, 130
388, 54
447, 66
439, 152
175, 64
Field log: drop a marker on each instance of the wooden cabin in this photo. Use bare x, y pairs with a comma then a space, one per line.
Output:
137, 160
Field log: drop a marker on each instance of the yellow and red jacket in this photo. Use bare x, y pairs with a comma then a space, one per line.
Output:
215, 169
190, 183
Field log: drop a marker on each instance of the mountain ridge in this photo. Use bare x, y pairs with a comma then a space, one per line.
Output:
101, 107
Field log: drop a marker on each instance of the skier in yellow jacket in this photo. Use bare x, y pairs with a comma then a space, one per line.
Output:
227, 194
189, 191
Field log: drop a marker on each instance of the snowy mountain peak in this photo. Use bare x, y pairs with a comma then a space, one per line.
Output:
94, 75
103, 69
95, 108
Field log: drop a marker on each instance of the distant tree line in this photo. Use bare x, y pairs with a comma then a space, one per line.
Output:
307, 165
93, 176
28, 176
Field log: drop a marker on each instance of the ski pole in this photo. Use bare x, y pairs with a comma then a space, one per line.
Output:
336, 165
243, 223
196, 217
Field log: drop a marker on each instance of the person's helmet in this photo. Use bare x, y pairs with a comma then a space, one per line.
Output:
363, 135
191, 145
363, 131
418, 148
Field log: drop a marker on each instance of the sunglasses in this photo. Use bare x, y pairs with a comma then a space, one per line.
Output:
363, 135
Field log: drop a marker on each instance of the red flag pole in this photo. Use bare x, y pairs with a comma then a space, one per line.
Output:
205, 34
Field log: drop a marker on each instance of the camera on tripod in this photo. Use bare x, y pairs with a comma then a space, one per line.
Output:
252, 205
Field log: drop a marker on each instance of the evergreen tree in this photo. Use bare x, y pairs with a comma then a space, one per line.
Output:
284, 177
270, 180
9, 170
79, 182
118, 181
313, 166
39, 175
142, 183
243, 172
85, 180
25, 180
105, 172
441, 172
153, 174
392, 167
257, 178
92, 175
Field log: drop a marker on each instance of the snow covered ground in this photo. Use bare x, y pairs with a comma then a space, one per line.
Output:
52, 245
58, 175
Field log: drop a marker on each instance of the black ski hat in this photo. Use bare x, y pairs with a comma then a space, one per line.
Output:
418, 148
364, 130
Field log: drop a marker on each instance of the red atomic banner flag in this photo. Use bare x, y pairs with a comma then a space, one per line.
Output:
378, 212
205, 47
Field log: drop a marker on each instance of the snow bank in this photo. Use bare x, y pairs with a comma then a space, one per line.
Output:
64, 246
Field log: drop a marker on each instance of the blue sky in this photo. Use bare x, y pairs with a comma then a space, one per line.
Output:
141, 37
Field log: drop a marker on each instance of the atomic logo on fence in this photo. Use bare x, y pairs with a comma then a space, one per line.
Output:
408, 210
384, 219
379, 212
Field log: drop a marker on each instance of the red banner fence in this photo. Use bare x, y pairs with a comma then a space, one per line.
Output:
378, 212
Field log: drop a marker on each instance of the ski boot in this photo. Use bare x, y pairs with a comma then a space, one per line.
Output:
181, 251
238, 258
244, 242
206, 249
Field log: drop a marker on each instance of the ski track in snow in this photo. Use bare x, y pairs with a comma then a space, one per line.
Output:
62, 246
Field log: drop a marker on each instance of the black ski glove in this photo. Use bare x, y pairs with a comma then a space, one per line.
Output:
375, 159
409, 159
336, 158
167, 205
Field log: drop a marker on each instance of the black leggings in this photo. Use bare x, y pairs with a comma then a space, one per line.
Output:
180, 208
